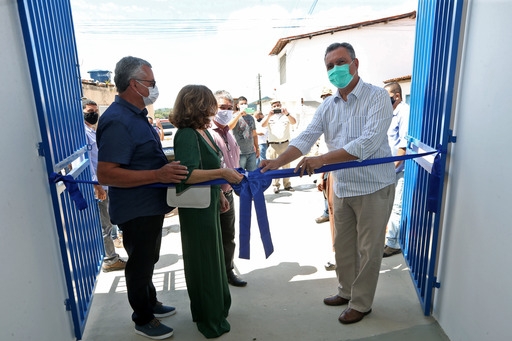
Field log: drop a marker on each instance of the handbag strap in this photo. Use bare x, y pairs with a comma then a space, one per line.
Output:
199, 149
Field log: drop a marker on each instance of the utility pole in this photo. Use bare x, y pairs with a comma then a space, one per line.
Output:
259, 90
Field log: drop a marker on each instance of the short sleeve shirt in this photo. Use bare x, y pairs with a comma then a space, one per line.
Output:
124, 136
243, 132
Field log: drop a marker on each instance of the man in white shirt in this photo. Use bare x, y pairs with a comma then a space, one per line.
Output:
354, 122
278, 122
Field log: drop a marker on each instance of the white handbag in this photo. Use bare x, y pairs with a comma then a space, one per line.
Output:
193, 196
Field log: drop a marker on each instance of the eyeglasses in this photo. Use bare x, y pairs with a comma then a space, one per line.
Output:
153, 83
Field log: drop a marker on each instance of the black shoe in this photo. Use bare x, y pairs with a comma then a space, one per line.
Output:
236, 281
289, 189
330, 267
276, 189
389, 251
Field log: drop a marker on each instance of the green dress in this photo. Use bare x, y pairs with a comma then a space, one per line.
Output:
201, 239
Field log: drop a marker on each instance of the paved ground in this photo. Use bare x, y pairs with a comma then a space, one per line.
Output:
283, 300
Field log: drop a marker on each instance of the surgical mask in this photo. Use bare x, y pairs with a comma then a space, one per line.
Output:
259, 119
223, 117
392, 100
91, 117
153, 94
340, 76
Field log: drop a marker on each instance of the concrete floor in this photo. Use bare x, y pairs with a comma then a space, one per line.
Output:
283, 300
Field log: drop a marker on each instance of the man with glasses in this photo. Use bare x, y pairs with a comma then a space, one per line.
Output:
278, 121
130, 156
231, 159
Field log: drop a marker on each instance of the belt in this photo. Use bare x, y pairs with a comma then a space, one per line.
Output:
278, 142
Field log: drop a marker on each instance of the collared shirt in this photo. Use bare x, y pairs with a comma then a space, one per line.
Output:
229, 148
90, 134
124, 136
397, 131
359, 126
278, 128
92, 149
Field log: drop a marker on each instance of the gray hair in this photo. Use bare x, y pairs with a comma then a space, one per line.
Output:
336, 46
128, 68
223, 94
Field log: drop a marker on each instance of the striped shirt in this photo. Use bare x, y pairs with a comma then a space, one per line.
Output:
360, 127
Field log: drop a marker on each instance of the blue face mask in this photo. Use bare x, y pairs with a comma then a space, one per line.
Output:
340, 76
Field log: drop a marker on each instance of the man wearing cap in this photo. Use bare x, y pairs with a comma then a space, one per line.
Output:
326, 92
278, 122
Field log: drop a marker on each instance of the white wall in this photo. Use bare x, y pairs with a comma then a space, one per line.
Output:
475, 297
31, 278
384, 51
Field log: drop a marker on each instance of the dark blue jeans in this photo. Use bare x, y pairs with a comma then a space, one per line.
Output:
142, 238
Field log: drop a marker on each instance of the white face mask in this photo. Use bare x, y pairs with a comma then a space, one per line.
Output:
153, 94
223, 117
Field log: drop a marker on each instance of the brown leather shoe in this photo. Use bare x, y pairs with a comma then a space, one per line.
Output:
352, 316
335, 300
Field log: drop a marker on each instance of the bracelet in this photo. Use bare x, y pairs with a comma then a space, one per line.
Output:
287, 115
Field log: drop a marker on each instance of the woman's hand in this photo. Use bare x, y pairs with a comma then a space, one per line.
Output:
232, 176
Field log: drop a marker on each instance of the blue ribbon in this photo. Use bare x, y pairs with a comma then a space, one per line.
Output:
72, 188
253, 186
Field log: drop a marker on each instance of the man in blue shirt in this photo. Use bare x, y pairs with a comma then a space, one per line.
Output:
111, 260
130, 156
354, 122
397, 133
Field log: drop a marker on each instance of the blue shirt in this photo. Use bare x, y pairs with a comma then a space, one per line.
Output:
359, 126
397, 131
124, 136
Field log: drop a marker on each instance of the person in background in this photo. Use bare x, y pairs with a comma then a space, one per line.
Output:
243, 127
130, 156
354, 122
397, 134
111, 260
323, 184
227, 144
262, 137
278, 122
201, 236
158, 127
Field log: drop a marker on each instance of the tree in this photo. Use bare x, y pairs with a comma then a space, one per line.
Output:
162, 113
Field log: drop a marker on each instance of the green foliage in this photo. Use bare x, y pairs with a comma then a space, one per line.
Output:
162, 113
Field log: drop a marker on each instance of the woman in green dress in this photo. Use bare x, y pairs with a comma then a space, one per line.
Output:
201, 238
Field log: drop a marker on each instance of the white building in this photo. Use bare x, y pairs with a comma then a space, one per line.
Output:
384, 47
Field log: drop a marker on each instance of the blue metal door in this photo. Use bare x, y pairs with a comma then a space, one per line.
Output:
52, 59
438, 28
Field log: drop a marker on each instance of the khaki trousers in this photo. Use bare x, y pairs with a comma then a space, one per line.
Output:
360, 228
273, 151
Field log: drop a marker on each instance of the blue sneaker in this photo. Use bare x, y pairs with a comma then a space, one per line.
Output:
160, 310
154, 330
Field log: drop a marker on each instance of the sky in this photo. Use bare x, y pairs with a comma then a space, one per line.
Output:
222, 44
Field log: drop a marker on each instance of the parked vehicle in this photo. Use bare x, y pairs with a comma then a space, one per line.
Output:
169, 133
